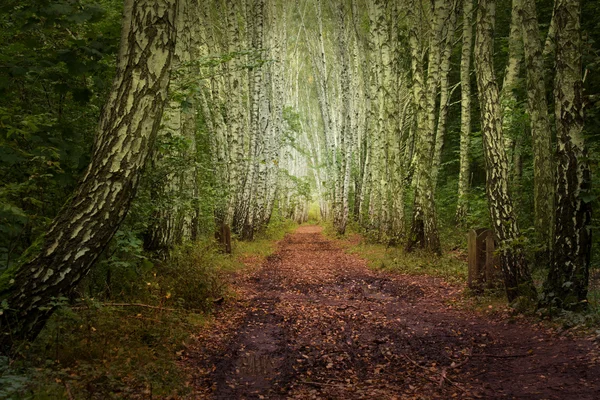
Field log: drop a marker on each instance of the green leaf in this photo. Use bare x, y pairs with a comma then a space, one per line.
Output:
588, 198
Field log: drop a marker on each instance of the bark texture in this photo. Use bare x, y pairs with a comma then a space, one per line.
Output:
567, 282
424, 232
517, 278
465, 111
537, 107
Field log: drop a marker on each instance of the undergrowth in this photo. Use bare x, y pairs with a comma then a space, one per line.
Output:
123, 333
451, 265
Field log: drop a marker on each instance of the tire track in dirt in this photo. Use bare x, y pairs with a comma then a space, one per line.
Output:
316, 323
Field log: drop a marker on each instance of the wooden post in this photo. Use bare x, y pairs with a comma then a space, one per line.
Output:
472, 252
227, 238
477, 258
223, 236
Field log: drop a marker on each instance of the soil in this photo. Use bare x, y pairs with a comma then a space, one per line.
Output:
313, 322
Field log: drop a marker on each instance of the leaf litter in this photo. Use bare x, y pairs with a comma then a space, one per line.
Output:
313, 322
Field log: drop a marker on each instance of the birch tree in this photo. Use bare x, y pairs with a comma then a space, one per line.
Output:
424, 232
345, 134
568, 276
537, 108
517, 279
508, 96
236, 107
177, 133
446, 53
249, 197
465, 111
127, 129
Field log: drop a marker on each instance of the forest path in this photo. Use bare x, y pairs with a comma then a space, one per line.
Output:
315, 323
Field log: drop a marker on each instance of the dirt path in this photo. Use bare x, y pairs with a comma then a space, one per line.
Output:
315, 323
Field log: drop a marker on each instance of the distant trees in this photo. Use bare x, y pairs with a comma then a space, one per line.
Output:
241, 103
173, 159
405, 129
223, 113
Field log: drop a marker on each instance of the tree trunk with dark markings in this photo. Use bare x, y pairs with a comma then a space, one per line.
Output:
517, 278
567, 283
127, 130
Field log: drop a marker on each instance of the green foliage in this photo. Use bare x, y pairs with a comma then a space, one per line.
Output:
121, 270
192, 277
12, 381
106, 352
56, 64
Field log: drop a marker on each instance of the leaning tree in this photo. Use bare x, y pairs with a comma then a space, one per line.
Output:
127, 129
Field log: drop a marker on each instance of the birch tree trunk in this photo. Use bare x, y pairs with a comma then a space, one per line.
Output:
278, 20
359, 121
424, 231
345, 119
567, 282
237, 85
508, 96
465, 112
127, 129
167, 226
322, 71
537, 107
378, 53
446, 54
257, 92
517, 278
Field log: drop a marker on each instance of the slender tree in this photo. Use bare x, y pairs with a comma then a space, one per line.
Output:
465, 110
424, 232
345, 117
446, 54
510, 84
517, 278
257, 92
537, 108
168, 225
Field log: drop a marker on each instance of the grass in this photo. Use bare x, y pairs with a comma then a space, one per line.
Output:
264, 243
116, 348
451, 266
